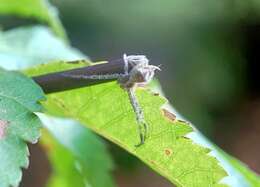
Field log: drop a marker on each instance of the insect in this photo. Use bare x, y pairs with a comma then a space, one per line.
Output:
140, 74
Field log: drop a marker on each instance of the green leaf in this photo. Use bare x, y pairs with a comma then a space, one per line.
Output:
235, 178
238, 174
19, 98
78, 157
106, 109
41, 10
251, 177
64, 165
26, 46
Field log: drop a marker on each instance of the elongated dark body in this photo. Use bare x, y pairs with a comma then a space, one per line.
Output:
56, 82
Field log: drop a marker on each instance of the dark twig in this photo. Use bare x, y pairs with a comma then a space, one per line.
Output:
56, 82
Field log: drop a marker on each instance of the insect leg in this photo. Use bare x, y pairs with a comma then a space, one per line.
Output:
142, 126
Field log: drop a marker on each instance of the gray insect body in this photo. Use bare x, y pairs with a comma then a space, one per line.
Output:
141, 73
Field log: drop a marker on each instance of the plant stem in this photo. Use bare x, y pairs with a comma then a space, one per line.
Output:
57, 82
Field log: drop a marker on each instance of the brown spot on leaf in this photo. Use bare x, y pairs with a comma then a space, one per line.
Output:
169, 115
168, 152
3, 125
156, 94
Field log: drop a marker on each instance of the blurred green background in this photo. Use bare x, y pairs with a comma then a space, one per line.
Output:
208, 51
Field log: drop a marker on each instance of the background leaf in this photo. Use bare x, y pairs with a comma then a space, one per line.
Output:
167, 150
78, 157
26, 46
19, 98
41, 10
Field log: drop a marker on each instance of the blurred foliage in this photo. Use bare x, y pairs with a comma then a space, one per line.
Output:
78, 157
23, 47
37, 9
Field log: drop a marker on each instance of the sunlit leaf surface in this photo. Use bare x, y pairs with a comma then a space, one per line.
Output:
106, 109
